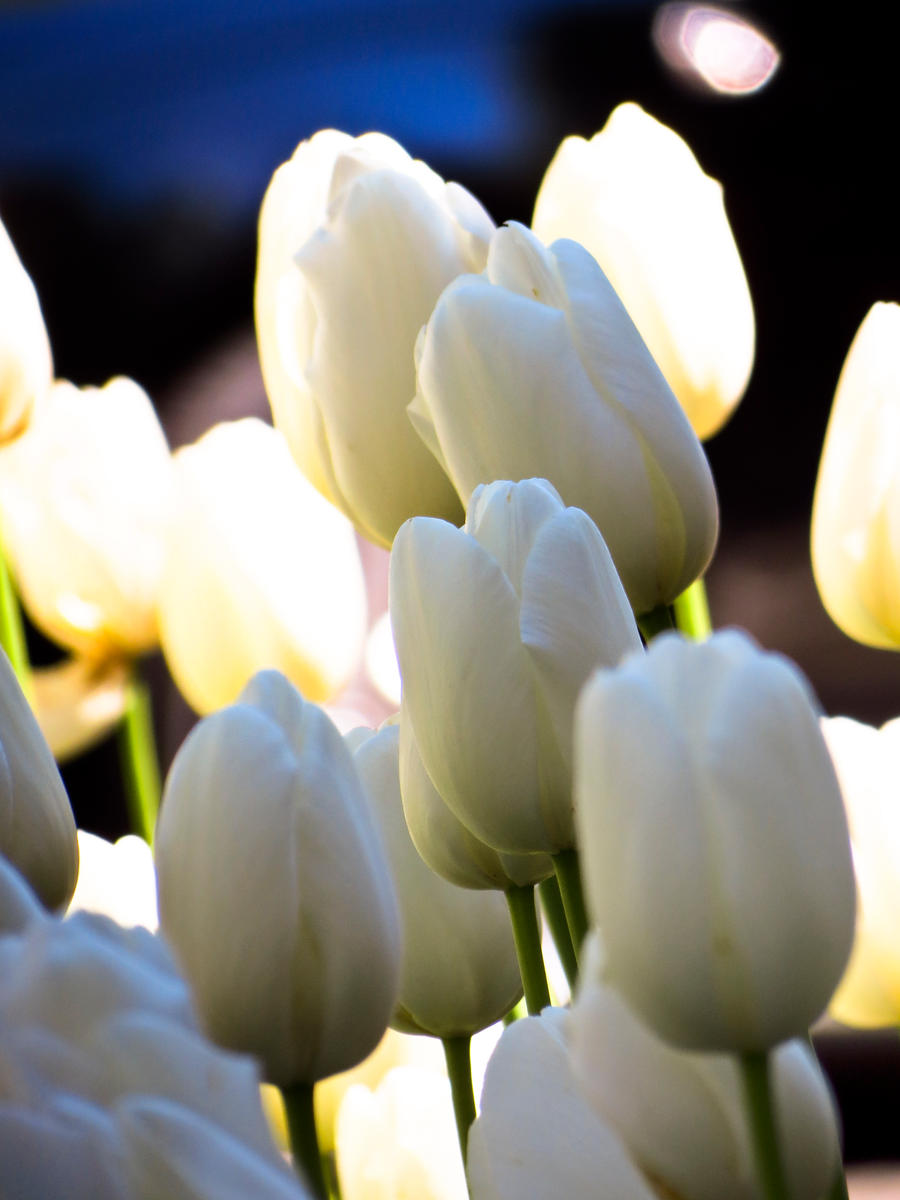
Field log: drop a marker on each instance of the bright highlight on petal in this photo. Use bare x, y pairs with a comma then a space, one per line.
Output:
715, 48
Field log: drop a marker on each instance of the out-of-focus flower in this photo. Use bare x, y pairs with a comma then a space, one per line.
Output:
274, 889
400, 1140
116, 879
356, 242
445, 843
460, 972
867, 761
78, 702
718, 866
260, 572
856, 510
107, 1087
681, 1115
26, 367
497, 626
638, 200
394, 1050
84, 504
37, 826
535, 368
573, 1098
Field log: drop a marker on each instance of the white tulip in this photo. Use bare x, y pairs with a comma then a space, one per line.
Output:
714, 846
400, 1140
867, 761
356, 242
460, 972
856, 509
638, 200
535, 368
682, 1115
84, 505
26, 368
497, 626
116, 879
260, 572
37, 826
274, 889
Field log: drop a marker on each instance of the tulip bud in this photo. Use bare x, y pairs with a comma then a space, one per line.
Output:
682, 1115
116, 879
84, 498
638, 200
856, 510
274, 889
26, 369
867, 761
37, 827
460, 971
400, 1140
717, 864
497, 626
260, 572
539, 356
356, 242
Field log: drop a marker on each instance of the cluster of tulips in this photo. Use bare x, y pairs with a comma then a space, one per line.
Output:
582, 775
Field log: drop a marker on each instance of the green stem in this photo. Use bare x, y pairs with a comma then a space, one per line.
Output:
138, 759
527, 936
657, 620
555, 912
12, 629
301, 1123
459, 1068
692, 612
759, 1106
567, 872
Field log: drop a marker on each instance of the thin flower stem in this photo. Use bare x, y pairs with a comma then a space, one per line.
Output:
12, 629
759, 1107
657, 620
569, 876
459, 1068
301, 1123
527, 936
555, 912
692, 612
138, 759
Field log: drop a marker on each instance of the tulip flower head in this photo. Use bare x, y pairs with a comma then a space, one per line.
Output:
356, 242
497, 625
867, 761
273, 886
84, 507
638, 200
717, 867
534, 368
856, 510
260, 572
26, 368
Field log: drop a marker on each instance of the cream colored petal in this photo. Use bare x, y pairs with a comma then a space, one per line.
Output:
116, 879
78, 702
467, 683
26, 370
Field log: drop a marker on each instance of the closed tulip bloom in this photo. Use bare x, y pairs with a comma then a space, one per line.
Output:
714, 844
638, 200
274, 889
84, 504
856, 510
867, 761
682, 1115
497, 626
356, 242
37, 826
460, 972
26, 367
260, 572
399, 1140
116, 879
535, 368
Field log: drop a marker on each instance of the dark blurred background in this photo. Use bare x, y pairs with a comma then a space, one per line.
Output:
137, 138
